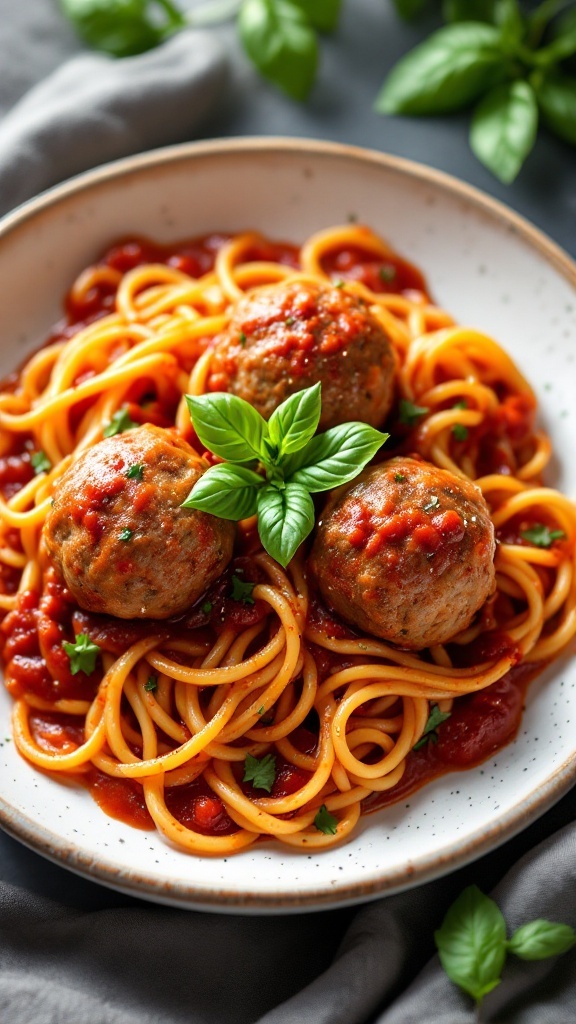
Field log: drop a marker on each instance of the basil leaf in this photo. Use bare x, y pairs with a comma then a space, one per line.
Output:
508, 17
562, 47
121, 28
322, 15
281, 43
228, 426
230, 492
543, 14
294, 422
557, 101
409, 9
446, 72
540, 939
470, 10
504, 128
335, 457
285, 518
472, 943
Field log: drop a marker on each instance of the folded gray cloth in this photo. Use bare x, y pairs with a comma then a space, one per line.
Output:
94, 109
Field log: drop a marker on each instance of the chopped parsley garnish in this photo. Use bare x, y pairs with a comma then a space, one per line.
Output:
261, 772
387, 273
460, 432
542, 536
82, 654
290, 320
120, 422
339, 283
435, 718
434, 503
261, 709
135, 472
242, 590
207, 607
40, 462
399, 477
151, 684
326, 822
126, 534
242, 338
410, 413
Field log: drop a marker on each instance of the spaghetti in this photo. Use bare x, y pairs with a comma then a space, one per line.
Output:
163, 728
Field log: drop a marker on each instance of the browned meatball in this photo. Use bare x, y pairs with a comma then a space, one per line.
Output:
289, 336
406, 552
117, 532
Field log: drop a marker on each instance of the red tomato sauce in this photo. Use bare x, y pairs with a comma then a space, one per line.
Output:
479, 726
392, 275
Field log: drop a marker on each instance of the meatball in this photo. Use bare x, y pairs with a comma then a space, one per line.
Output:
286, 337
406, 552
119, 536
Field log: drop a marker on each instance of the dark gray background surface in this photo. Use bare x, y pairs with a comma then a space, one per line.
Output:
218, 968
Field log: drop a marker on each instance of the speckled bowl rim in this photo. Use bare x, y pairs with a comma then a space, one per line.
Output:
422, 869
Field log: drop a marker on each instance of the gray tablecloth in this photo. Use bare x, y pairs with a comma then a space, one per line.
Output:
74, 953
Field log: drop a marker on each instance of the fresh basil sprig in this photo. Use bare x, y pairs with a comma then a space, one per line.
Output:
292, 463
279, 36
489, 57
123, 28
473, 946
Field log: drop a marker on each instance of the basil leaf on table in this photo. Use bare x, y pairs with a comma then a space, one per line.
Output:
541, 939
285, 519
556, 97
228, 426
323, 15
472, 943
122, 28
228, 491
446, 72
504, 128
295, 421
281, 43
335, 457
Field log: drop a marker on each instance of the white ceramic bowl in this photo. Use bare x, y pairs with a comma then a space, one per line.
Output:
491, 270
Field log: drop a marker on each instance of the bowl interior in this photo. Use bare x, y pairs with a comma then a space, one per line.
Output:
493, 272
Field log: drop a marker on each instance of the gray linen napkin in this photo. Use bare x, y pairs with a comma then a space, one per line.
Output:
73, 953
94, 109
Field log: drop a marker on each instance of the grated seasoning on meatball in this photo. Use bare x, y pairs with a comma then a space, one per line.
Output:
286, 337
406, 553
